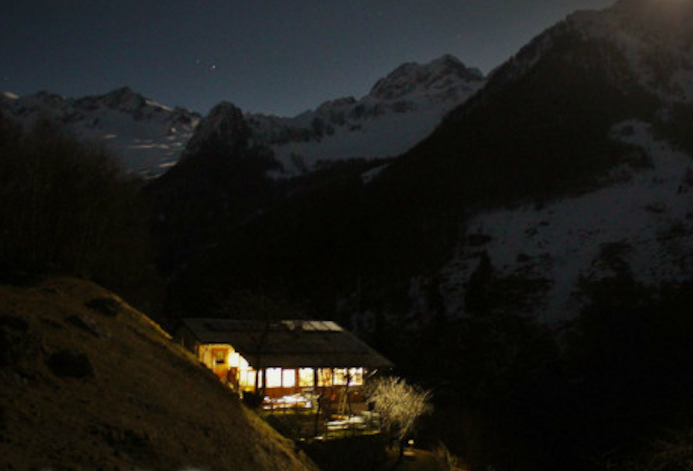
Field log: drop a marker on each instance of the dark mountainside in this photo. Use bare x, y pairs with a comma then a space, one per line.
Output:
220, 179
511, 393
536, 135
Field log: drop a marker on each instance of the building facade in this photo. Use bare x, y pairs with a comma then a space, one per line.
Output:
281, 359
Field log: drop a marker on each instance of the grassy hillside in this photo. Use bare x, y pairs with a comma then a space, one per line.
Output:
87, 382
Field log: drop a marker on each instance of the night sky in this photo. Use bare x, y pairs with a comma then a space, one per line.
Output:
271, 56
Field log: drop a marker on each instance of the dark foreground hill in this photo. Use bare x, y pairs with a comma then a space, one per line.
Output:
87, 382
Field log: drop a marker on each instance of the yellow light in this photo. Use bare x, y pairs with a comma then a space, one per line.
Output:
340, 376
289, 378
305, 377
324, 377
274, 377
356, 377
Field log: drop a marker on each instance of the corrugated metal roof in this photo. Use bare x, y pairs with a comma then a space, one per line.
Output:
288, 343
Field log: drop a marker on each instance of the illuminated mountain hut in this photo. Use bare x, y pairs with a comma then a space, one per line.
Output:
281, 358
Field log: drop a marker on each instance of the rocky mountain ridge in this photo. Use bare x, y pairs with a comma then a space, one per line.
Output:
400, 110
146, 135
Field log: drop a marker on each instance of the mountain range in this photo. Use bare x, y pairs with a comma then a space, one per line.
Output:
400, 110
148, 137
567, 167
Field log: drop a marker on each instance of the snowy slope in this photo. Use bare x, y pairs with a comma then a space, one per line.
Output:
401, 110
148, 136
645, 221
639, 224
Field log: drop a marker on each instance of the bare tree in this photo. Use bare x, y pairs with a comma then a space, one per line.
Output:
68, 207
399, 405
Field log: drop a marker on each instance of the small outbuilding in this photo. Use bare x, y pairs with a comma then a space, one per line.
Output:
281, 358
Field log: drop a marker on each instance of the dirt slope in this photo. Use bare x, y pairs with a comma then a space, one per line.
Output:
87, 382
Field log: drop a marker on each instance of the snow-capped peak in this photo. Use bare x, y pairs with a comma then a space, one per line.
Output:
401, 110
149, 137
439, 74
124, 98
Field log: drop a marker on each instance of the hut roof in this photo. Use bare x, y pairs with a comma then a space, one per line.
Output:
288, 343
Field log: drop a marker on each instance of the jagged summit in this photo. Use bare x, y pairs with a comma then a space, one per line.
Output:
123, 98
412, 77
224, 129
401, 109
224, 112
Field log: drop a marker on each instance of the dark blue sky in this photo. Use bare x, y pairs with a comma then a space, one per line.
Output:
273, 56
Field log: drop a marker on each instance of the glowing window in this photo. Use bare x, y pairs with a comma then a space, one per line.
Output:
305, 377
340, 376
289, 378
247, 378
356, 377
235, 360
274, 378
324, 377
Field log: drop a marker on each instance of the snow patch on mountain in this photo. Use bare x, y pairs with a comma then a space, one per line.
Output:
8, 96
645, 221
368, 176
